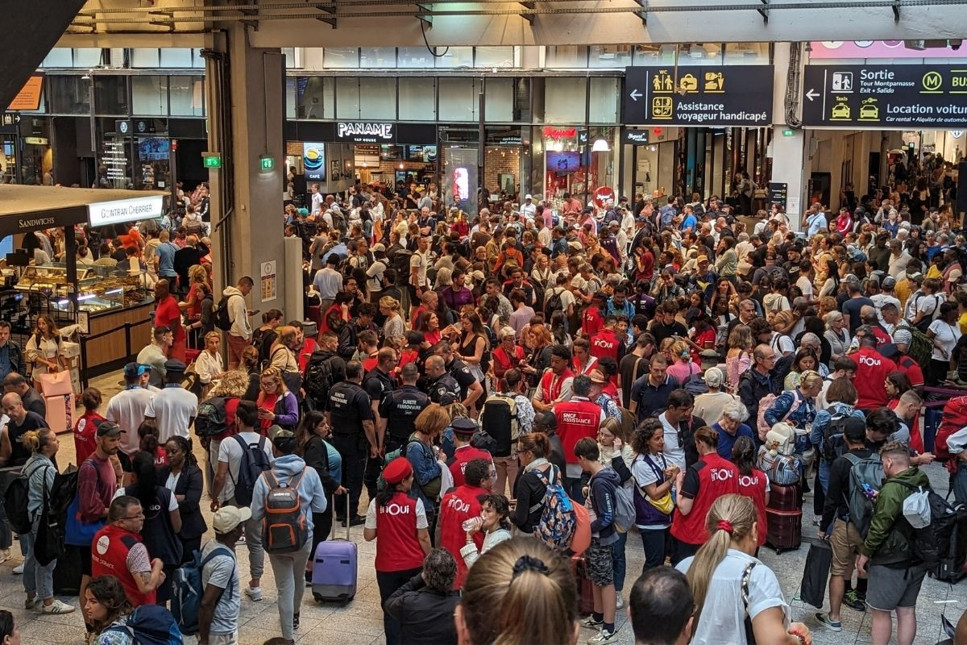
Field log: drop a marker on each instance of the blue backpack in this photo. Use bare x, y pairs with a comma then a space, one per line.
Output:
558, 522
187, 589
254, 463
151, 625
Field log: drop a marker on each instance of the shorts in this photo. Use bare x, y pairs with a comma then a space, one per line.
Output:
600, 563
846, 544
223, 639
85, 553
891, 588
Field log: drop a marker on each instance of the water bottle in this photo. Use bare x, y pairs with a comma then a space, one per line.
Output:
471, 524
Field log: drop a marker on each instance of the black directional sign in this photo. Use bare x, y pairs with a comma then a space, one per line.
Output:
721, 96
886, 96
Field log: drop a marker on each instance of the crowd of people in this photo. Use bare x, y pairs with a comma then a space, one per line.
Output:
498, 386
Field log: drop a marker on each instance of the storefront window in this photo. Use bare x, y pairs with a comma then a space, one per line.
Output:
377, 57
340, 58
315, 97
564, 99
417, 99
149, 95
458, 98
562, 162
522, 100
454, 57
110, 95
609, 56
377, 98
500, 57
499, 101
69, 94
603, 107
187, 95
566, 57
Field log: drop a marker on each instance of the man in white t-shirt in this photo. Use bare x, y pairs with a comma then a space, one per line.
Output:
221, 602
317, 199
528, 209
127, 407
174, 408
419, 263
223, 490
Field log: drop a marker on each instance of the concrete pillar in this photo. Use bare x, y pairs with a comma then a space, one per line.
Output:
788, 156
250, 235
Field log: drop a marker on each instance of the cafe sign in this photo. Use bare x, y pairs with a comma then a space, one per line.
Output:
125, 210
365, 132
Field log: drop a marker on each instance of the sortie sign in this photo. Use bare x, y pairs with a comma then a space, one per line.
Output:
698, 96
883, 97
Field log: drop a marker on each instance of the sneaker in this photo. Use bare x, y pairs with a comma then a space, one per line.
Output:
591, 623
358, 520
852, 600
832, 625
295, 621
240, 541
19, 569
619, 602
57, 607
604, 637
31, 603
255, 593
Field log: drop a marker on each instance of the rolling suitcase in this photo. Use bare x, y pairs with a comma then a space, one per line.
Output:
579, 566
785, 529
334, 568
67, 573
785, 497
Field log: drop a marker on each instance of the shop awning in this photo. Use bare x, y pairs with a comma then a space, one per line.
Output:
31, 208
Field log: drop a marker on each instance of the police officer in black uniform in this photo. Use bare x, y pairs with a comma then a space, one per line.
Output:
378, 384
441, 386
399, 408
350, 415
460, 373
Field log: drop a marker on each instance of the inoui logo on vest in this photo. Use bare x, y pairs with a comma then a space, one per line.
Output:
748, 481
720, 474
869, 361
395, 509
459, 505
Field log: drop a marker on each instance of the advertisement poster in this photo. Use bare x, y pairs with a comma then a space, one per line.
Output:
314, 160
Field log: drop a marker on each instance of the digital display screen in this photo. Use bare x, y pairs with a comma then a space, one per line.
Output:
563, 162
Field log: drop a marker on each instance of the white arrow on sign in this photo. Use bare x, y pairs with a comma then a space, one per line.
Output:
812, 95
635, 94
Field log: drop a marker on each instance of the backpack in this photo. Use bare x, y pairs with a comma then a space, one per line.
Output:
865, 477
933, 521
924, 323
558, 523
833, 443
187, 590
401, 264
212, 419
318, 379
920, 346
554, 303
624, 509
765, 403
254, 463
499, 419
284, 528
222, 320
952, 419
15, 502
151, 625
695, 384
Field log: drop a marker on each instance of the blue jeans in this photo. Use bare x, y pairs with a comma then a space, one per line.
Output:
960, 483
38, 579
620, 564
823, 472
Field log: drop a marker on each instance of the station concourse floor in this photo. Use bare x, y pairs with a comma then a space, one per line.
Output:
360, 621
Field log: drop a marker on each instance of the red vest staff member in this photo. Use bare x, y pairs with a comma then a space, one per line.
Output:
555, 384
462, 504
591, 320
508, 354
464, 453
400, 523
117, 550
753, 483
576, 419
167, 314
705, 481
606, 342
872, 368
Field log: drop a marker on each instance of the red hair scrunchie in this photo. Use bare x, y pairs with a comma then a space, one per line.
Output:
724, 525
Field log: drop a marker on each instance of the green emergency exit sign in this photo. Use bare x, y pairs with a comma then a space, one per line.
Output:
213, 160
267, 163
788, 133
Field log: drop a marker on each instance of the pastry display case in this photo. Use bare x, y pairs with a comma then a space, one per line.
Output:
99, 289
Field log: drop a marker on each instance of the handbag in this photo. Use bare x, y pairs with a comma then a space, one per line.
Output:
76, 531
664, 504
49, 544
815, 573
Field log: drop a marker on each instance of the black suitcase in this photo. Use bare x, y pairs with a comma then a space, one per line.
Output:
785, 497
785, 529
67, 573
953, 562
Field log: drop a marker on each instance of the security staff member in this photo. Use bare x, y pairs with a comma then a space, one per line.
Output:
378, 384
350, 415
470, 388
441, 386
399, 408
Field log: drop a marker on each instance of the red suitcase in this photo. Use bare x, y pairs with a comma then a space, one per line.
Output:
785, 497
785, 529
579, 566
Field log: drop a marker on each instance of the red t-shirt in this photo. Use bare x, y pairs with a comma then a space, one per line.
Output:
85, 431
168, 314
872, 368
267, 402
461, 457
591, 321
912, 369
457, 506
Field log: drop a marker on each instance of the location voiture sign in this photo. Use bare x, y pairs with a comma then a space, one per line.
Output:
886, 96
717, 96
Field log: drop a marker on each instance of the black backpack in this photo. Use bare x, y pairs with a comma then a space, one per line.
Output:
254, 463
212, 419
833, 442
15, 502
554, 303
222, 320
401, 264
318, 378
932, 544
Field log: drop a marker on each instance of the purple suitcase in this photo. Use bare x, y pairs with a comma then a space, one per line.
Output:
334, 569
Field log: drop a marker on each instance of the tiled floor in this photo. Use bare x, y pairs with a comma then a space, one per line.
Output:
360, 622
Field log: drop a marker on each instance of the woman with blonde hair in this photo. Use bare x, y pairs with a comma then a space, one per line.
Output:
44, 350
739, 357
277, 405
683, 367
393, 326
517, 593
738, 599
209, 365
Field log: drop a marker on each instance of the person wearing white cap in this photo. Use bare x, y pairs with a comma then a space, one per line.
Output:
221, 601
528, 209
711, 404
